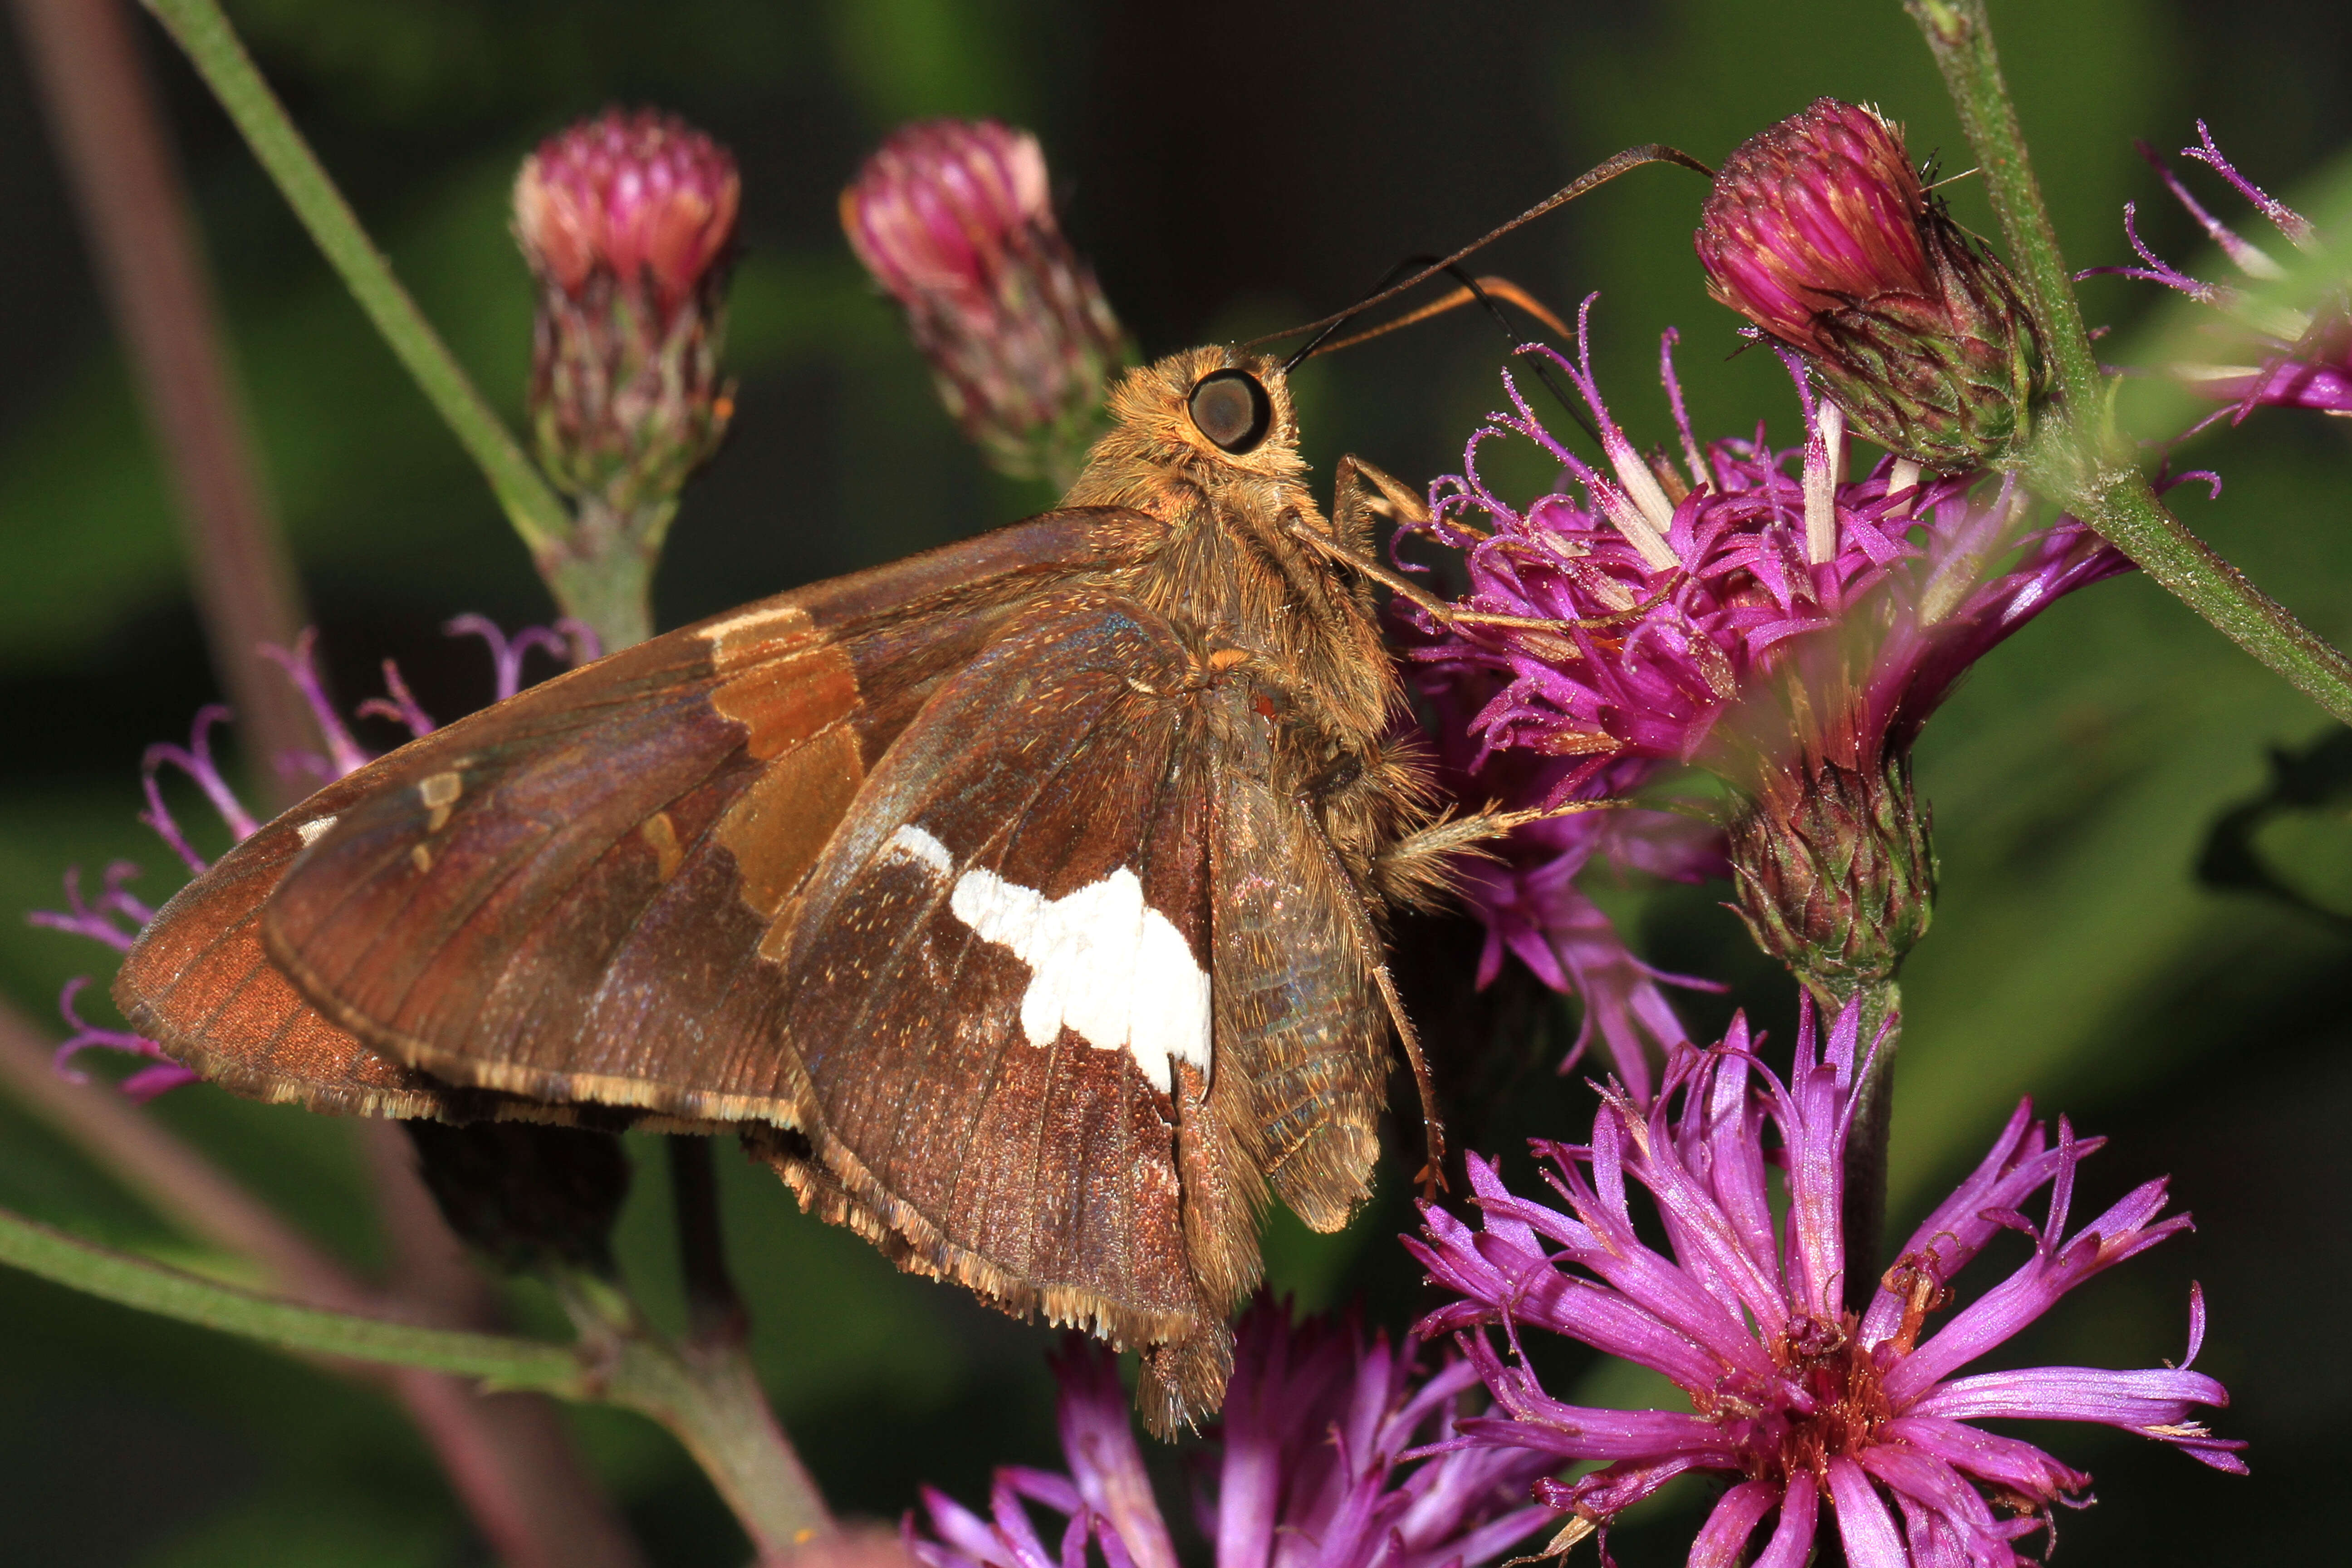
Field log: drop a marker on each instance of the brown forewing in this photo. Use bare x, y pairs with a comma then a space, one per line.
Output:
484, 902
199, 982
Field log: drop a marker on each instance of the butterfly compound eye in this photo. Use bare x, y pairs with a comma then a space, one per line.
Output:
1231, 409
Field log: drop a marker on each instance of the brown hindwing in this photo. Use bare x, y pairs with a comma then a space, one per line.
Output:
967, 1105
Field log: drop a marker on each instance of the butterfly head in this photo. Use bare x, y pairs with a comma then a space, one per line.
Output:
1211, 419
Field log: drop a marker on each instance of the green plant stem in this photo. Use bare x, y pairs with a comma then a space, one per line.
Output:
204, 32
707, 1394
2079, 461
499, 1360
604, 573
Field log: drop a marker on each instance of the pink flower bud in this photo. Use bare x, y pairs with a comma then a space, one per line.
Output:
1820, 232
943, 208
1819, 211
627, 221
954, 220
642, 197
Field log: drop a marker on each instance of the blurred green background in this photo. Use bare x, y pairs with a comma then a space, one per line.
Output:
1229, 167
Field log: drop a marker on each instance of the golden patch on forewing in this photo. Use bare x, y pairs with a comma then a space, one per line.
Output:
758, 633
784, 702
421, 858
437, 794
778, 825
661, 836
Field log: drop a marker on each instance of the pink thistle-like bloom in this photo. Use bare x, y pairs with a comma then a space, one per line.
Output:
1800, 1403
2303, 356
116, 916
955, 221
1318, 1468
1820, 232
628, 223
1747, 610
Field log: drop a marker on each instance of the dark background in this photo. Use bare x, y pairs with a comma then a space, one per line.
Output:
1229, 167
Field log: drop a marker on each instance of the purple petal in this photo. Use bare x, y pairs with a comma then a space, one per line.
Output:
2007, 1462
1723, 1539
1791, 1545
2157, 1397
1098, 1436
1865, 1528
1580, 1432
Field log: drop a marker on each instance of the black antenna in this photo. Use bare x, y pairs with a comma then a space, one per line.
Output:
1334, 323
1454, 270
1632, 158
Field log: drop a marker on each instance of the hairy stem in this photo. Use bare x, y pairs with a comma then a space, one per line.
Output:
431, 1280
212, 45
603, 574
712, 1404
2079, 462
118, 160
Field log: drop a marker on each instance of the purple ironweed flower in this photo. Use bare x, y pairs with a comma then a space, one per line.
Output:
116, 916
1527, 891
1788, 630
1800, 1401
627, 221
1317, 1467
1820, 232
955, 220
2304, 356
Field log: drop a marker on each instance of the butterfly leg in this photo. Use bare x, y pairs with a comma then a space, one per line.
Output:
1363, 495
1420, 865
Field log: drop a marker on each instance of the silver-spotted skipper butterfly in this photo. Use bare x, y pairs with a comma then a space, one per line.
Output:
1021, 902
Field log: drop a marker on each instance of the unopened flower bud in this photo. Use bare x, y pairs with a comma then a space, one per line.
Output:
954, 219
527, 1197
1820, 232
1835, 873
627, 221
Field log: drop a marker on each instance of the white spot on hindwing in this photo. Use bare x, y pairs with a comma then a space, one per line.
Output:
314, 829
1113, 970
911, 843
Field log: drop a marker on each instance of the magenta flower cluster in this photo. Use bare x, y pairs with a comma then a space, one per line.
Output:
1804, 1405
1320, 1465
2303, 357
1678, 592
